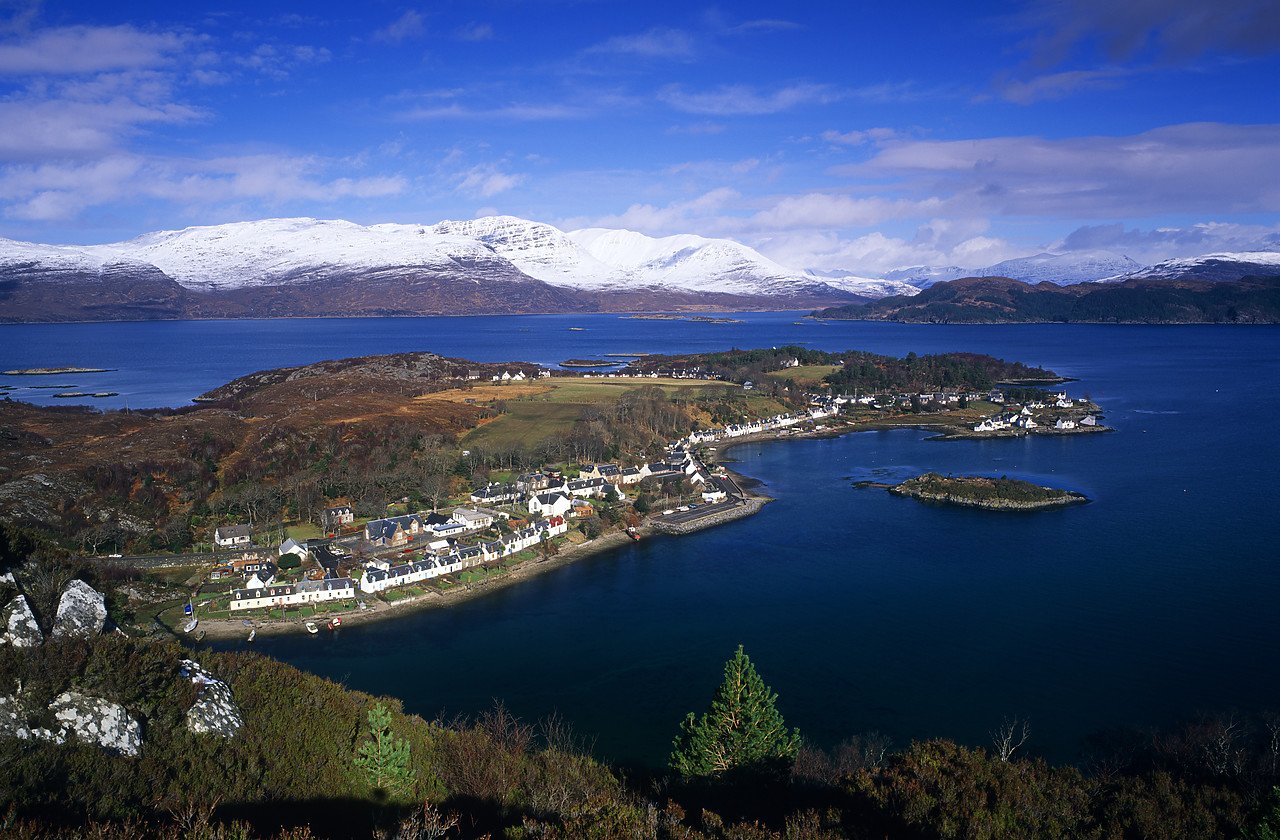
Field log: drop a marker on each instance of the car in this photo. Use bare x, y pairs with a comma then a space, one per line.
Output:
668, 512
683, 508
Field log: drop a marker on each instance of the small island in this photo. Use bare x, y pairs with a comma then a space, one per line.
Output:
54, 370
1010, 494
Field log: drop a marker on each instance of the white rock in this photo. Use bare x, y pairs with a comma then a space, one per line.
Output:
216, 712
98, 721
82, 611
19, 624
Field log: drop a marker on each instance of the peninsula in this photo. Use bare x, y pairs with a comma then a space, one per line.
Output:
362, 486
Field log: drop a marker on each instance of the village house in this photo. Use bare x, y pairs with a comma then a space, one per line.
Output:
291, 594
495, 494
340, 515
292, 546
1065, 423
231, 536
550, 504
472, 519
396, 530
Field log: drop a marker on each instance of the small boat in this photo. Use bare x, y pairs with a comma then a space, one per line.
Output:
190, 625
631, 532
200, 635
253, 633
312, 628
335, 622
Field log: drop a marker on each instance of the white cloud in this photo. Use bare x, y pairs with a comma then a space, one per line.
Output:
486, 181
860, 138
1150, 246
1060, 85
59, 192
474, 32
408, 26
659, 42
1194, 168
731, 100
84, 49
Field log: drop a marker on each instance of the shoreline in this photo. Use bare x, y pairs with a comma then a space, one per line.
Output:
232, 629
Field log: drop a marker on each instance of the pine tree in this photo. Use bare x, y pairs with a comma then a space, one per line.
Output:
385, 759
741, 734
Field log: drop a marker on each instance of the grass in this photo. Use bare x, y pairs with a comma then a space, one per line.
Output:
304, 531
805, 374
554, 407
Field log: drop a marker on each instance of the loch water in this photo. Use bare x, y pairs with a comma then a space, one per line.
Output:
863, 611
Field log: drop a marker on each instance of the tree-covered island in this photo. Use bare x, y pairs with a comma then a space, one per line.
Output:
1004, 493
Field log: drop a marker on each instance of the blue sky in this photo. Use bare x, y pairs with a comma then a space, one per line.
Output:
832, 135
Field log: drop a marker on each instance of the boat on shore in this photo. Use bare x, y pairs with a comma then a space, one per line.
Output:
335, 622
312, 628
190, 625
253, 633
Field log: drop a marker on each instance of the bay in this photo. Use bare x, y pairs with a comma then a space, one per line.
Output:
863, 611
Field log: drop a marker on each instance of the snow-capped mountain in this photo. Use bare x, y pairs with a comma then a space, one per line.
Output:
280, 267
923, 276
621, 260
1060, 269
1225, 266
1063, 269
868, 286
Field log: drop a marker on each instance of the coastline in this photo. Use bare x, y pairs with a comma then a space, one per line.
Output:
235, 628
754, 499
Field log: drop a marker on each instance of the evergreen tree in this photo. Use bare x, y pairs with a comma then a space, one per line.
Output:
741, 734
385, 759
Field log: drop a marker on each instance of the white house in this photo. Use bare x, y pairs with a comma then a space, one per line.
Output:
1064, 423
471, 518
292, 546
550, 504
231, 536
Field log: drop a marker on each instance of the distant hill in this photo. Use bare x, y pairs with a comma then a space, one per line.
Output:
999, 300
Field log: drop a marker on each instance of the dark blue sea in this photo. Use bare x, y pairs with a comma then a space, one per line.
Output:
1155, 602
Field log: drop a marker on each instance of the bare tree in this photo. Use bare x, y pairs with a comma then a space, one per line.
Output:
1009, 736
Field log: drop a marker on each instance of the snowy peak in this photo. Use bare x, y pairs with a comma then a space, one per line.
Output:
1216, 267
1063, 269
289, 251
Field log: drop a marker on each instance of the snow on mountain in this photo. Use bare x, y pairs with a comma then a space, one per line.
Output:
924, 276
287, 251
601, 259
1063, 269
1224, 266
866, 286
537, 249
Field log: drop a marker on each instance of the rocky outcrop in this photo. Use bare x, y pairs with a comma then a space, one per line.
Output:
19, 627
82, 611
92, 720
97, 721
216, 712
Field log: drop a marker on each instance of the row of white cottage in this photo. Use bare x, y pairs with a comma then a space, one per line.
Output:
778, 421
379, 577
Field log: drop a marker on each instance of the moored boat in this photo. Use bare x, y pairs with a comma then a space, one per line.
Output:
312, 628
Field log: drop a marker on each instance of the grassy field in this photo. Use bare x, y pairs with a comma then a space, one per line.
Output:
808, 374
538, 410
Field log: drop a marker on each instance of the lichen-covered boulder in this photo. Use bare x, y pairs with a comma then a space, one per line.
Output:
82, 611
97, 721
18, 625
216, 712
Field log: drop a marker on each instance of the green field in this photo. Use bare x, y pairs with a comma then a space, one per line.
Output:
529, 420
807, 374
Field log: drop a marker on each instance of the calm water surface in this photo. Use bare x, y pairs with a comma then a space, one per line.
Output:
863, 611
